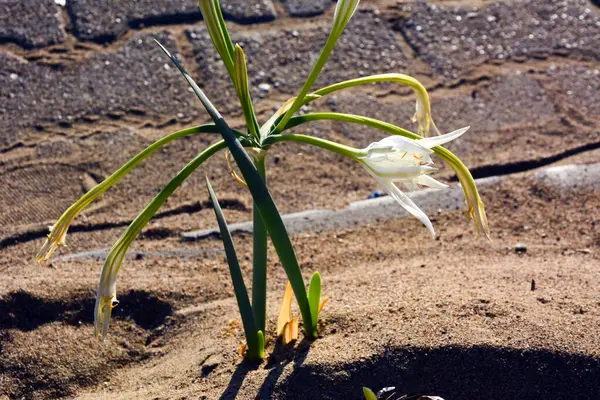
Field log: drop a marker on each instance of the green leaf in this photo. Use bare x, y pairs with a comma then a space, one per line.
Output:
61, 226
239, 287
259, 264
369, 395
263, 200
115, 256
314, 298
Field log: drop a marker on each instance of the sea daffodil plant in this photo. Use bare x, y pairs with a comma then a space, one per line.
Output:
403, 158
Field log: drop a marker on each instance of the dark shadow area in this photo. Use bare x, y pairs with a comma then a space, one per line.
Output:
237, 379
453, 373
25, 312
279, 358
282, 355
166, 19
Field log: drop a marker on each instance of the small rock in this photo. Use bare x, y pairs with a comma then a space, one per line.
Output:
520, 248
264, 87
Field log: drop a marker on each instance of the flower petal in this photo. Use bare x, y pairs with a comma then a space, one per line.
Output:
393, 170
405, 202
400, 143
426, 180
443, 139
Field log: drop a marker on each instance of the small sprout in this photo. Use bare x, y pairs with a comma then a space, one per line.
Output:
369, 395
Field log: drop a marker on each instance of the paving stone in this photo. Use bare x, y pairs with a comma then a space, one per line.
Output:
249, 12
31, 23
454, 40
306, 8
137, 77
106, 20
576, 92
284, 58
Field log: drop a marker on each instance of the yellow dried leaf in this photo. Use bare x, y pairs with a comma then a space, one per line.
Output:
323, 302
287, 325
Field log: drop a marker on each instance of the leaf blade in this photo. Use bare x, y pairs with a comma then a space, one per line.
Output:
237, 279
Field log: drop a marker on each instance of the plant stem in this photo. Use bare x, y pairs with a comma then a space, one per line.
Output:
310, 81
337, 148
396, 78
259, 267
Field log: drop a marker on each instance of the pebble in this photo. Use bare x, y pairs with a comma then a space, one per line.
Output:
520, 248
264, 87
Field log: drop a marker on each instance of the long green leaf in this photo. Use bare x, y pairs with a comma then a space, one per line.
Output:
259, 256
239, 287
115, 256
62, 224
262, 198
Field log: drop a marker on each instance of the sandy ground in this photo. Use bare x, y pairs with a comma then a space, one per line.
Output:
456, 317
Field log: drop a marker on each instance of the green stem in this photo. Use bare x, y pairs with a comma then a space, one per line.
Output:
312, 77
259, 269
354, 119
396, 78
255, 348
337, 148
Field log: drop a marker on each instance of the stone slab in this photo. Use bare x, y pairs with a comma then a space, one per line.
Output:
306, 8
453, 40
137, 76
107, 20
31, 23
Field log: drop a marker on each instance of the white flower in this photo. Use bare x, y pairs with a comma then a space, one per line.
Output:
422, 115
344, 10
397, 159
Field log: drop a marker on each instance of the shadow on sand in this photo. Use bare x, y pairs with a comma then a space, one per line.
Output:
26, 312
281, 357
454, 373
